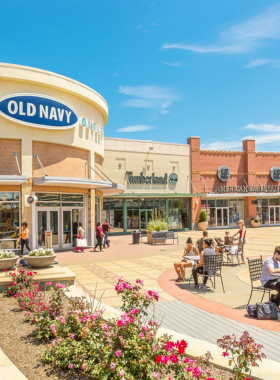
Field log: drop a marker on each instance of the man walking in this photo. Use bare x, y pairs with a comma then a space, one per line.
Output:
106, 227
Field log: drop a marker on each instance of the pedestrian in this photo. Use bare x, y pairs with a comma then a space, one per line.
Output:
99, 234
242, 235
106, 228
24, 237
80, 235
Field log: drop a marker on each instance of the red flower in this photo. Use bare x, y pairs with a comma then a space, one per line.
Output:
181, 350
5, 270
35, 283
225, 354
158, 359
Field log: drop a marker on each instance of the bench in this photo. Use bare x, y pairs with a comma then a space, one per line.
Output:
143, 234
161, 237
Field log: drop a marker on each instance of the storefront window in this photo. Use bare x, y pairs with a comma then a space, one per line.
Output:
268, 210
97, 210
9, 220
178, 213
113, 211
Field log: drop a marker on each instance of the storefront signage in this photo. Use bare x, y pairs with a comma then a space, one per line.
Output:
223, 173
275, 174
48, 239
173, 178
88, 124
142, 179
38, 111
247, 189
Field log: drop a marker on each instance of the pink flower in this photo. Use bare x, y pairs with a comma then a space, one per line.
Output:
121, 373
113, 365
118, 353
15, 295
58, 340
151, 333
140, 282
71, 336
120, 323
53, 343
225, 354
144, 328
133, 311
48, 283
131, 319
82, 367
141, 335
155, 375
70, 366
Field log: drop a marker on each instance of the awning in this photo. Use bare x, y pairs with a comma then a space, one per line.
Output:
158, 195
82, 183
13, 179
235, 195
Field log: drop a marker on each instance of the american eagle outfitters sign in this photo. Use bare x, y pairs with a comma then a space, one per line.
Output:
247, 189
142, 179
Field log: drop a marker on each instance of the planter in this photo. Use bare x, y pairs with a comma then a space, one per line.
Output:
39, 261
152, 234
255, 224
8, 263
202, 226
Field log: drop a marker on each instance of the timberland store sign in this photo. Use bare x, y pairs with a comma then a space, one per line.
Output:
152, 179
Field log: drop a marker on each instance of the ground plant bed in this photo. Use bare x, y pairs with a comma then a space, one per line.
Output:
47, 335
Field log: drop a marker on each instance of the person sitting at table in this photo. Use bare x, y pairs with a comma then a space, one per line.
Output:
228, 239
207, 250
190, 250
271, 266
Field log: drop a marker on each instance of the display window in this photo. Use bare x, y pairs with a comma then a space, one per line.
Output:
223, 212
268, 210
9, 220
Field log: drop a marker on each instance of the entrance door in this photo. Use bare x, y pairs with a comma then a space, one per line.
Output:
47, 220
277, 214
145, 217
271, 215
70, 224
222, 217
274, 214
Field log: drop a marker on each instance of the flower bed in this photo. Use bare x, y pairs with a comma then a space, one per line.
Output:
6, 254
7, 259
125, 348
41, 252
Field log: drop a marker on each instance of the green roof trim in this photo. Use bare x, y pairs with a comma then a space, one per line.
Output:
155, 195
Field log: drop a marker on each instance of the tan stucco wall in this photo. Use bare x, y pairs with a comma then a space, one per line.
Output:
133, 155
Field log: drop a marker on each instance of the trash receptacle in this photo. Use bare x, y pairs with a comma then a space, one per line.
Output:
136, 237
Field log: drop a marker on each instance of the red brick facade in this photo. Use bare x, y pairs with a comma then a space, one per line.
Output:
245, 166
8, 161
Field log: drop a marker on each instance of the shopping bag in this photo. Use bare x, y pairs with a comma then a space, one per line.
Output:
81, 243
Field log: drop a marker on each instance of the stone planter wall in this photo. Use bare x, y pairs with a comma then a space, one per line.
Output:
8, 263
151, 234
39, 261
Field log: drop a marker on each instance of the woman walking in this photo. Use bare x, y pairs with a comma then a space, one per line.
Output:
190, 250
24, 237
80, 235
99, 234
242, 235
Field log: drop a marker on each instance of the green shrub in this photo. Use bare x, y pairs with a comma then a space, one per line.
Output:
202, 216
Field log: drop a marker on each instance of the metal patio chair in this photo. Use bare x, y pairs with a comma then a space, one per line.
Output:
212, 267
255, 269
239, 253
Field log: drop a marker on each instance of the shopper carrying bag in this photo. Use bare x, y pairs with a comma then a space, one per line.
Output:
81, 241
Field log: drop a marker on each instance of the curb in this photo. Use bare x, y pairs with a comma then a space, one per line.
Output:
267, 370
8, 371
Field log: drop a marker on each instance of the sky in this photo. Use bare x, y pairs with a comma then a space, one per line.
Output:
167, 69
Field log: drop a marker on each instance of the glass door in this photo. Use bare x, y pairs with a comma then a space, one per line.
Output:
47, 221
222, 217
67, 229
277, 214
225, 217
145, 217
271, 215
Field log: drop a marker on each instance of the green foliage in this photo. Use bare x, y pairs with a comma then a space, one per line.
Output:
202, 216
6, 255
157, 225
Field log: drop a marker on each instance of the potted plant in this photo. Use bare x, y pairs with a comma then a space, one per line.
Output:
255, 222
7, 259
156, 227
40, 258
202, 222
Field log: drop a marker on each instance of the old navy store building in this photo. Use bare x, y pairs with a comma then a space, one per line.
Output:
52, 149
235, 185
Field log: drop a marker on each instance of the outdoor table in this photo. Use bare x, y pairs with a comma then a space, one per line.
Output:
194, 258
275, 274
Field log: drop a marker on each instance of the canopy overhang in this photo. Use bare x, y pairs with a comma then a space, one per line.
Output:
13, 179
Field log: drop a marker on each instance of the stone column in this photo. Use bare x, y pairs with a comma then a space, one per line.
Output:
194, 143
91, 216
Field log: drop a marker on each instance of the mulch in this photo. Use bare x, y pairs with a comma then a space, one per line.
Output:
18, 341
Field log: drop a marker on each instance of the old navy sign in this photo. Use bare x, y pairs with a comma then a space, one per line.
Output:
38, 111
247, 189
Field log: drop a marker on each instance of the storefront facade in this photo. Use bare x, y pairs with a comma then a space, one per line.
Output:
156, 178
235, 185
52, 149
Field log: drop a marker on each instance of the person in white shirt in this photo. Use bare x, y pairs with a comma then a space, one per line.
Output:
207, 250
270, 266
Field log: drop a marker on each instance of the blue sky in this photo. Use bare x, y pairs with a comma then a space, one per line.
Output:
168, 69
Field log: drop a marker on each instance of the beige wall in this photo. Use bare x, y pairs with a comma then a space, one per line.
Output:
133, 155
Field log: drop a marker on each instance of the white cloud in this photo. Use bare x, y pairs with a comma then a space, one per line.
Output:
241, 37
261, 62
139, 26
175, 64
136, 128
149, 97
155, 24
263, 127
222, 145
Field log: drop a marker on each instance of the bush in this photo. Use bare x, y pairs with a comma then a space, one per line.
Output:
202, 216
20, 280
157, 225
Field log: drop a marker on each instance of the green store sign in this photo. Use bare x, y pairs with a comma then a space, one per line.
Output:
151, 180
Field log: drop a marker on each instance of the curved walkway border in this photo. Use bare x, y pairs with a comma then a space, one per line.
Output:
167, 283
8, 371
